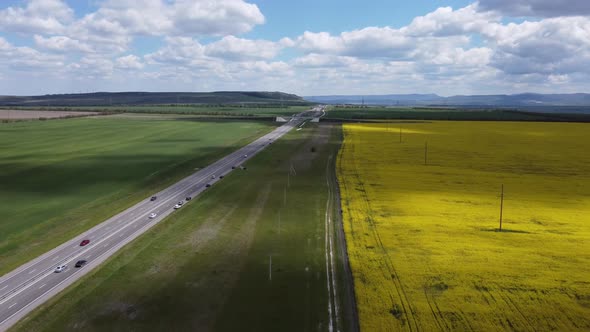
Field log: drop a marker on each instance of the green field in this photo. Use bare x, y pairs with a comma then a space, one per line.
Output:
61, 177
422, 113
207, 267
201, 110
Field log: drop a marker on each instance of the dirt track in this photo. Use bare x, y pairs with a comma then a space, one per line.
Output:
349, 301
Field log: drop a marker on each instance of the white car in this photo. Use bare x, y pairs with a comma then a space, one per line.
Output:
60, 268
152, 215
178, 205
245, 155
213, 176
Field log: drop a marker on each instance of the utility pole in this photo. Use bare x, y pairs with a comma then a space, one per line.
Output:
501, 206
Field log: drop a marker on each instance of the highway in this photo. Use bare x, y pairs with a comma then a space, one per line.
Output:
33, 283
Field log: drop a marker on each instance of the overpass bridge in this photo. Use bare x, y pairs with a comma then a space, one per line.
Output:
312, 115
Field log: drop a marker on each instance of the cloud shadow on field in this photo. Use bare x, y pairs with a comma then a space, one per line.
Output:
75, 175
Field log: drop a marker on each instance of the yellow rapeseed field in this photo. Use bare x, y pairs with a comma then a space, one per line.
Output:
422, 239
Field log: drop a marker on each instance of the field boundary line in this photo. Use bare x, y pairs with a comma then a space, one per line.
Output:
350, 310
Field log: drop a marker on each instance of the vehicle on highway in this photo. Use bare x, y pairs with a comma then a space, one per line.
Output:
221, 176
84, 242
213, 176
208, 185
242, 167
233, 167
188, 198
153, 198
178, 205
81, 263
152, 215
245, 155
60, 268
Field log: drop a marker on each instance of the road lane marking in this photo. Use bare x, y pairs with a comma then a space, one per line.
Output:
55, 258
12, 305
33, 270
121, 235
42, 286
3, 287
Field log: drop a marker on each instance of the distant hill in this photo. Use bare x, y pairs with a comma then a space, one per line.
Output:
524, 99
154, 98
517, 100
394, 99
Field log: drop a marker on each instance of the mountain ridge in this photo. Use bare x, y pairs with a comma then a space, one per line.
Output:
153, 98
505, 100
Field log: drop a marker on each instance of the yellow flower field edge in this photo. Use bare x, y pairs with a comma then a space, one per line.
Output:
421, 205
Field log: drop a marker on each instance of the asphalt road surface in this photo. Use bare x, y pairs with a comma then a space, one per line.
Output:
33, 283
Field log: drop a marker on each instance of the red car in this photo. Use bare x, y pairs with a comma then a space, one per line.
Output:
84, 242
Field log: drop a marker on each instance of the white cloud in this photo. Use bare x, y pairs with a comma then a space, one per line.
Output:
440, 46
550, 46
445, 21
215, 17
238, 49
114, 25
61, 44
314, 60
26, 58
39, 16
469, 49
182, 51
537, 8
92, 67
129, 62
178, 18
439, 30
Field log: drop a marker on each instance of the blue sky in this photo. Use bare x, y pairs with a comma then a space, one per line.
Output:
304, 47
291, 18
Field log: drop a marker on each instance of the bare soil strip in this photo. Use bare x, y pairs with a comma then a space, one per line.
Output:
32, 115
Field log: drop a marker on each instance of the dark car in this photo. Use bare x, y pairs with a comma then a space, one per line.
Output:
188, 198
207, 185
233, 167
153, 198
81, 263
221, 176
84, 242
